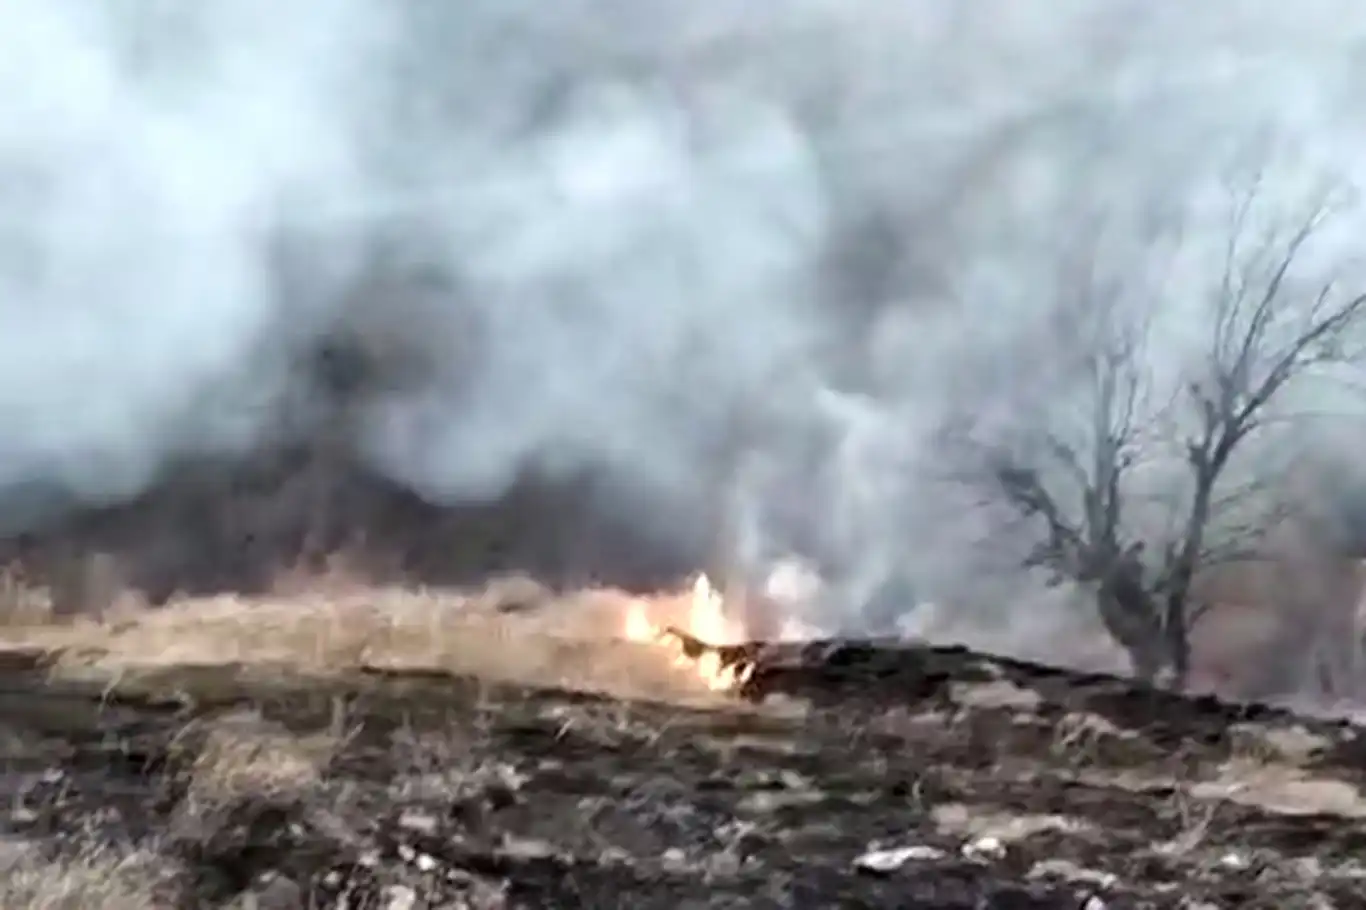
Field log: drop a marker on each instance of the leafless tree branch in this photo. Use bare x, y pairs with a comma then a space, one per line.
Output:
1266, 330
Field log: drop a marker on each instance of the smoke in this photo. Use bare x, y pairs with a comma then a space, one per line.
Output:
143, 152
743, 261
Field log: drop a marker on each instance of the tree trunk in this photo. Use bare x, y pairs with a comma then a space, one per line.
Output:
1176, 638
1146, 663
1132, 622
1175, 624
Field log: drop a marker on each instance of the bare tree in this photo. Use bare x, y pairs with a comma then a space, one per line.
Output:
1265, 326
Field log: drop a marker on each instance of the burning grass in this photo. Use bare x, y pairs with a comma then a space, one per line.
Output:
514, 630
704, 620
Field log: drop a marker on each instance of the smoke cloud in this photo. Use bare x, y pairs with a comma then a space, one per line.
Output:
743, 261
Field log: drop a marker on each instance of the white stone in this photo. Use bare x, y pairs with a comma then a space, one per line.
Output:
891, 859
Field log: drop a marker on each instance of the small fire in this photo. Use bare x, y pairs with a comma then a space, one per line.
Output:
705, 621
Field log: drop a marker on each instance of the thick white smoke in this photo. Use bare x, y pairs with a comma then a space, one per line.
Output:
632, 284
144, 152
738, 256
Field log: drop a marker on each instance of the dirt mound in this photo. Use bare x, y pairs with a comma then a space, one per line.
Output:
849, 774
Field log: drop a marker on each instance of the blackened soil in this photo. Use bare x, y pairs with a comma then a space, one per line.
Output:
1002, 784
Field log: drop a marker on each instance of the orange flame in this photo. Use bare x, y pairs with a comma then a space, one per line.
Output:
706, 621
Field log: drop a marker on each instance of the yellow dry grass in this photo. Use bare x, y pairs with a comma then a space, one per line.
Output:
511, 630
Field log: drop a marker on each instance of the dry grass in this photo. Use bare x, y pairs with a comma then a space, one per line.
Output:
244, 756
1289, 746
337, 618
103, 878
959, 819
512, 629
22, 604
1282, 790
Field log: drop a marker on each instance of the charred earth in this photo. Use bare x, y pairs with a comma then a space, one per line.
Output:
845, 774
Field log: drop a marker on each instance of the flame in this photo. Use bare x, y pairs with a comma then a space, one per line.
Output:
638, 625
706, 621
707, 617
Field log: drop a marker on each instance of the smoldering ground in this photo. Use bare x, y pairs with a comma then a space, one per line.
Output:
611, 287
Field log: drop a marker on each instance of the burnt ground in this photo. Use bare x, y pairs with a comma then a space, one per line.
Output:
986, 783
